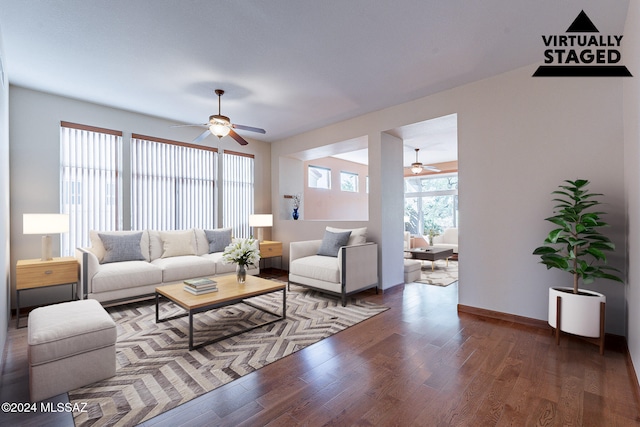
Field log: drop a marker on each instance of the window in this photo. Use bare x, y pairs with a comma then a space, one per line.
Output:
238, 188
349, 181
319, 177
90, 181
172, 185
431, 203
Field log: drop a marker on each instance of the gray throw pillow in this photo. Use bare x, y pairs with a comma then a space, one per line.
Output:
125, 247
331, 243
218, 239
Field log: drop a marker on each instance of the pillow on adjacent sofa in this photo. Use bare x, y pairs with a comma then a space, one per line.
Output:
123, 247
358, 235
177, 243
218, 239
332, 242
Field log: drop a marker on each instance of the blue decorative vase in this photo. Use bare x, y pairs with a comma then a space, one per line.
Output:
295, 213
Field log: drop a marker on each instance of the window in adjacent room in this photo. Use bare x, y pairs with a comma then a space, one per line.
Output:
172, 184
238, 192
349, 181
319, 177
431, 203
90, 182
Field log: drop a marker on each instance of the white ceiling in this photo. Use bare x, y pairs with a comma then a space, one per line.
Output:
287, 66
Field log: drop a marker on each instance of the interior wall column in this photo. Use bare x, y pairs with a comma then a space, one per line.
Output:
386, 206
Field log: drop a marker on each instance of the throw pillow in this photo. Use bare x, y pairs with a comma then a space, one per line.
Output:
358, 235
98, 248
332, 242
124, 247
218, 239
177, 243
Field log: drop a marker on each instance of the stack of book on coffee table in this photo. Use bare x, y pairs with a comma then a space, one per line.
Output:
200, 286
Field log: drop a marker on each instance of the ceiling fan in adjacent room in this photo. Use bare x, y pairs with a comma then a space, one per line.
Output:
220, 126
417, 167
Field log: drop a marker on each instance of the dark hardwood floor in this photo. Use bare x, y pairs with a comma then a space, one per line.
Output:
420, 363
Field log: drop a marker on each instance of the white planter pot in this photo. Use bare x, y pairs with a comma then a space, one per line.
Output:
580, 313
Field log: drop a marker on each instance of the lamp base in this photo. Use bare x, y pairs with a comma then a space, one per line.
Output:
260, 234
46, 249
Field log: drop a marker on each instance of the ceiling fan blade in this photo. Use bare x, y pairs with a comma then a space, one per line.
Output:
202, 136
184, 126
249, 128
237, 137
431, 168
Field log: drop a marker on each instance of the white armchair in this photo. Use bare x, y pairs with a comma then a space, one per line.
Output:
353, 270
447, 240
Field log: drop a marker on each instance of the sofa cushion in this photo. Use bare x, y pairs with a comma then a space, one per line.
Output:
184, 267
316, 267
358, 235
218, 239
177, 243
221, 267
332, 242
121, 247
126, 274
97, 247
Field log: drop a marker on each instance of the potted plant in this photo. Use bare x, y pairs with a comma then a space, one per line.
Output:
578, 247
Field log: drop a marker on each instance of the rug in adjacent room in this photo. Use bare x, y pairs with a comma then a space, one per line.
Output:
156, 372
442, 275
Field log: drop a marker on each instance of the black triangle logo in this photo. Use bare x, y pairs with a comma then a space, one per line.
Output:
582, 24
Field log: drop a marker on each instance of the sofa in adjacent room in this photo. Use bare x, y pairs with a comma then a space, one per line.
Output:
123, 265
447, 240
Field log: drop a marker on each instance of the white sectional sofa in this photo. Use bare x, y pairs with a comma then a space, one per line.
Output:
114, 269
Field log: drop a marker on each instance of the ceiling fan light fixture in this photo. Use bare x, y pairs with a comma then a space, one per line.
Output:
219, 125
416, 167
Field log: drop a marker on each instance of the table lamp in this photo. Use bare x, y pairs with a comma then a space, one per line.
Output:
260, 221
45, 224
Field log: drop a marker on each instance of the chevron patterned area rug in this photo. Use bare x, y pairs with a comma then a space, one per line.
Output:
442, 275
156, 371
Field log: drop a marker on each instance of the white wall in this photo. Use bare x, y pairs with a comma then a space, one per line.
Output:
631, 57
5, 269
518, 138
35, 169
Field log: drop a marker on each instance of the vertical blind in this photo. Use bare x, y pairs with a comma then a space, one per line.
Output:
172, 185
238, 185
90, 182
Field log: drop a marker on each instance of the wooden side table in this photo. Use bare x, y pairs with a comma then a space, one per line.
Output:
35, 273
271, 249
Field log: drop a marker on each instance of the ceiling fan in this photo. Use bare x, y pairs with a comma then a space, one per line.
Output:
418, 167
220, 126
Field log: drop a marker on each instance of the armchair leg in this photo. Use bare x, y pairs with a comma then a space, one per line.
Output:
344, 300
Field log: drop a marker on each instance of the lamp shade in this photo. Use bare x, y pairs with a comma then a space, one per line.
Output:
261, 220
45, 223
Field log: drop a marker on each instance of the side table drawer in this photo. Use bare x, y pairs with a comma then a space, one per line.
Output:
269, 250
34, 276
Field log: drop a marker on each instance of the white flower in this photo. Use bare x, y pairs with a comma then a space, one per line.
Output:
296, 200
241, 252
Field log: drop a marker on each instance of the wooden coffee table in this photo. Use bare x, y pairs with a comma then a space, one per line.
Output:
229, 292
431, 254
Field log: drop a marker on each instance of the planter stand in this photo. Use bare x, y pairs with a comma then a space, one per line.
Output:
597, 341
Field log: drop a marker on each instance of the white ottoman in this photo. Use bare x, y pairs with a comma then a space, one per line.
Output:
71, 345
411, 270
